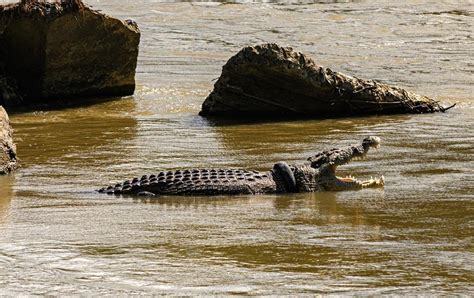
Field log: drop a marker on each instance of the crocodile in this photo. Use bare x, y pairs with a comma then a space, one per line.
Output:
318, 173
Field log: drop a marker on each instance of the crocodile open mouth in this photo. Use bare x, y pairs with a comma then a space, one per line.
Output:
370, 142
338, 157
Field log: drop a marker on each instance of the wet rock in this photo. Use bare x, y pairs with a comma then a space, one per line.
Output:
273, 81
64, 49
8, 159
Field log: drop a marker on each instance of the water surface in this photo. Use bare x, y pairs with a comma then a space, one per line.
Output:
414, 237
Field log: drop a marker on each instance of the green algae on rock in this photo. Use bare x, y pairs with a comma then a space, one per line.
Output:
272, 81
8, 159
64, 49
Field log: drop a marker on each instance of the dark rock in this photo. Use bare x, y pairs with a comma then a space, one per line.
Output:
64, 49
8, 159
9, 93
272, 81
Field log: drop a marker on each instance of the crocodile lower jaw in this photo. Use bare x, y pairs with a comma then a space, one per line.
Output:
372, 182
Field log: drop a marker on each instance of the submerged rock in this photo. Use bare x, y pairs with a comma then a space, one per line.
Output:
8, 159
273, 81
63, 49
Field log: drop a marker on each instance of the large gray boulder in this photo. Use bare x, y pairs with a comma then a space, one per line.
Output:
273, 81
64, 49
8, 159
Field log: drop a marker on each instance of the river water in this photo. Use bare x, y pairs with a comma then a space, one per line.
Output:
414, 237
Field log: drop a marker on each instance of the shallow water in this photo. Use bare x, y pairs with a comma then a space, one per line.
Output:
414, 237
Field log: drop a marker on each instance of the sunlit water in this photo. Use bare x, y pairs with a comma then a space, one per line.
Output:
414, 237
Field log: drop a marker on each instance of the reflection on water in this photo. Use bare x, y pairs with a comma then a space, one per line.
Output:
73, 133
296, 140
58, 237
6, 194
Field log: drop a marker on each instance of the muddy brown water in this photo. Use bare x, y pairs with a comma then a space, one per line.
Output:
414, 237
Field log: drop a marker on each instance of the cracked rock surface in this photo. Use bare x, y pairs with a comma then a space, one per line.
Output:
272, 81
64, 49
8, 159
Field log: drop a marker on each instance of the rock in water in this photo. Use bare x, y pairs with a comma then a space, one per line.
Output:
64, 49
272, 81
8, 159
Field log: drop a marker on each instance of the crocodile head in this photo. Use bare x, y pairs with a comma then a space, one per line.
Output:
327, 162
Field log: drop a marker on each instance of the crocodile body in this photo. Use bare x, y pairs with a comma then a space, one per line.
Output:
317, 174
199, 182
213, 182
